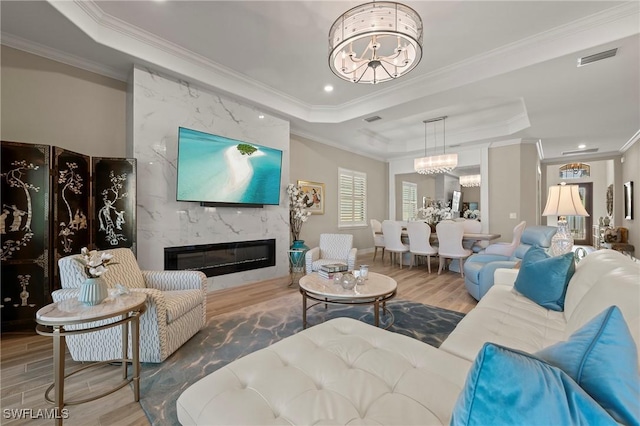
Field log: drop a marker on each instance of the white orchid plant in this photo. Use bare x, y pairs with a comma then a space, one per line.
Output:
471, 214
95, 264
436, 212
298, 213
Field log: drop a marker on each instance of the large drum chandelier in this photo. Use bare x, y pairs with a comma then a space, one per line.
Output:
375, 42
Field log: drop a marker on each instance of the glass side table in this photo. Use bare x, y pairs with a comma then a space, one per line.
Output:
296, 264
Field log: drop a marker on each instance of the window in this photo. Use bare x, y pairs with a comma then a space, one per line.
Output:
409, 200
575, 171
352, 198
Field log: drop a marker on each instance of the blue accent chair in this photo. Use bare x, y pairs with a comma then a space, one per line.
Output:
479, 267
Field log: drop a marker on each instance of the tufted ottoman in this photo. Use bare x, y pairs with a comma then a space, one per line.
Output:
339, 372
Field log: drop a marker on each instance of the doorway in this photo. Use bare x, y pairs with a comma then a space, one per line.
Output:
579, 226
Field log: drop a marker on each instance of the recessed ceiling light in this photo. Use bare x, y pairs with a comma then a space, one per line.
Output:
261, 116
582, 146
328, 88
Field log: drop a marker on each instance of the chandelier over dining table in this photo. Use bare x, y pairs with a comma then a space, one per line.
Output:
375, 42
434, 164
470, 180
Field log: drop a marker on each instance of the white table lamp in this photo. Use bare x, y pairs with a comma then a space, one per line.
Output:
563, 200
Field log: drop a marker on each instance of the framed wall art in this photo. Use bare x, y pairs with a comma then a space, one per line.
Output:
313, 196
628, 200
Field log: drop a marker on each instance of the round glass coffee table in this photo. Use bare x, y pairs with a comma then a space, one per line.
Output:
376, 291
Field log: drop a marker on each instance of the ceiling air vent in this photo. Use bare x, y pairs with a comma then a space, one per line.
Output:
597, 57
372, 118
580, 151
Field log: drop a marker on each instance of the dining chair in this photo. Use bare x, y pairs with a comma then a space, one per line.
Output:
378, 238
419, 234
450, 243
471, 226
507, 249
392, 232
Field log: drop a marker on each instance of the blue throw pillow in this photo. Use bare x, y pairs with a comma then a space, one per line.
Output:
602, 358
544, 279
507, 387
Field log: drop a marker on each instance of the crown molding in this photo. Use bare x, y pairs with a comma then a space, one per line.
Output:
608, 155
635, 138
59, 56
172, 58
499, 144
539, 149
609, 25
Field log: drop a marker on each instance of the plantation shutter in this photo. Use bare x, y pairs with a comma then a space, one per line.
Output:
409, 200
352, 203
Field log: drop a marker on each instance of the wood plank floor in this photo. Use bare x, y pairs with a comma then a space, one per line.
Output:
26, 359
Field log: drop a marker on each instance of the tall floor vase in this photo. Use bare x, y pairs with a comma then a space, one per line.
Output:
297, 252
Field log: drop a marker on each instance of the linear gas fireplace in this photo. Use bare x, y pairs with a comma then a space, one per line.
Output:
223, 258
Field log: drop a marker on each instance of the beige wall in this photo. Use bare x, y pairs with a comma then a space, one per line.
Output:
631, 172
529, 188
315, 162
51, 103
513, 187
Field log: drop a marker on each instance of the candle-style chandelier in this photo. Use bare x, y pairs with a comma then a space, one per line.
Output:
375, 42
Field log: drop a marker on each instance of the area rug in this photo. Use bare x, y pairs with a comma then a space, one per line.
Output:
230, 336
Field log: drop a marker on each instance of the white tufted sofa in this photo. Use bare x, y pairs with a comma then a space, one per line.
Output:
176, 308
348, 372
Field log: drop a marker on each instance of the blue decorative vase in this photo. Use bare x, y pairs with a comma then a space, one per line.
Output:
93, 291
296, 255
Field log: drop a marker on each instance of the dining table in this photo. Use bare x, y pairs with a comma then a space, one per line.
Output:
466, 236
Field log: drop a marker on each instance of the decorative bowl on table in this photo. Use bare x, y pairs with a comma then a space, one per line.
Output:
348, 281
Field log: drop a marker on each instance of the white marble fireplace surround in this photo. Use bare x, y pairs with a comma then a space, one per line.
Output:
161, 104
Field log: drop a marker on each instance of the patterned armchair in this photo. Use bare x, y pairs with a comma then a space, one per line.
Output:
333, 248
176, 308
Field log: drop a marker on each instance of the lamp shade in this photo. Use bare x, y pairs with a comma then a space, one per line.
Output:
564, 200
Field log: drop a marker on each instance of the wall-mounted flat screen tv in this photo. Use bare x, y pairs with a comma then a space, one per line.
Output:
218, 170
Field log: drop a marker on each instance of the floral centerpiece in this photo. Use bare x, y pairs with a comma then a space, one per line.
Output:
298, 213
471, 214
435, 212
94, 290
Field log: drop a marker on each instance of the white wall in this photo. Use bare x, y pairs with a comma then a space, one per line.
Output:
160, 106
